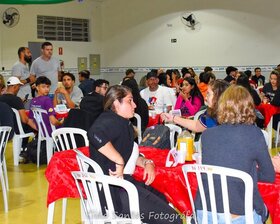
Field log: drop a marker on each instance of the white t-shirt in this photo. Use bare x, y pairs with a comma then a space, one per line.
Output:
22, 72
162, 96
76, 96
49, 68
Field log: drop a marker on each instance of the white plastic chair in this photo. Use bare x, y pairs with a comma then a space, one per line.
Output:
223, 173
17, 139
277, 135
139, 131
173, 130
64, 139
4, 137
43, 134
93, 207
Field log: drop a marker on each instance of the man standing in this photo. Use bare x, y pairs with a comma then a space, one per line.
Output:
46, 65
85, 82
157, 97
21, 70
69, 94
258, 78
93, 103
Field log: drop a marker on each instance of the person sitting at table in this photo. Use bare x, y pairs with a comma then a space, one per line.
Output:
141, 105
43, 101
208, 119
240, 145
93, 102
11, 98
68, 94
190, 99
85, 82
243, 80
269, 89
156, 96
111, 140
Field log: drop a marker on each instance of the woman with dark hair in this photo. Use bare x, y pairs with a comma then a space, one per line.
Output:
236, 143
111, 144
243, 80
190, 98
141, 105
271, 88
208, 119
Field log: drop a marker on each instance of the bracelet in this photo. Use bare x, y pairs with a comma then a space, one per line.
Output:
27, 80
119, 164
148, 161
173, 119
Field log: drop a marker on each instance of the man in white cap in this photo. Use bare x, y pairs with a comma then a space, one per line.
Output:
11, 98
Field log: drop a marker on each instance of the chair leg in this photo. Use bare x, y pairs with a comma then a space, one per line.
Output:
38, 152
64, 206
5, 173
4, 190
83, 215
49, 149
277, 135
50, 213
16, 149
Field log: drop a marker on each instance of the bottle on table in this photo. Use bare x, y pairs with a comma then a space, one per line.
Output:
185, 146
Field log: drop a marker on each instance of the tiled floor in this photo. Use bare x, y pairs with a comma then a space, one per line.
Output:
27, 196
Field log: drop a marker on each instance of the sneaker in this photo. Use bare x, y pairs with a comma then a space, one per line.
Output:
23, 158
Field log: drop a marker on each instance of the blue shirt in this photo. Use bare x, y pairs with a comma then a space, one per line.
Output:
207, 121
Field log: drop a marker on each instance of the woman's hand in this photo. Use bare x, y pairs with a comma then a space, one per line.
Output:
166, 117
118, 172
149, 173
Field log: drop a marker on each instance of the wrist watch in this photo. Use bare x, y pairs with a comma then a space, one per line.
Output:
148, 161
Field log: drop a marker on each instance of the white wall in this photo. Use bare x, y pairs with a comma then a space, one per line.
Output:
12, 38
236, 32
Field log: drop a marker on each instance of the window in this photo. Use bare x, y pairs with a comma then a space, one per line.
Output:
62, 28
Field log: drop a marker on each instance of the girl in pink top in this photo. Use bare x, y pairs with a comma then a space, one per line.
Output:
190, 98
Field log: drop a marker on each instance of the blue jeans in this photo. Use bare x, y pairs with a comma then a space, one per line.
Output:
221, 218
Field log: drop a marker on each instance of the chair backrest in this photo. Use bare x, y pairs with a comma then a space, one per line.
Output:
42, 128
19, 124
4, 137
66, 138
85, 163
173, 130
198, 114
139, 131
224, 173
93, 204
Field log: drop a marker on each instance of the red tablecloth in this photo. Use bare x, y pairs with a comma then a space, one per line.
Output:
268, 111
169, 181
154, 120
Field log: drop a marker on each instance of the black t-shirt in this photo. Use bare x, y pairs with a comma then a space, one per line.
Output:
93, 103
13, 101
268, 91
110, 127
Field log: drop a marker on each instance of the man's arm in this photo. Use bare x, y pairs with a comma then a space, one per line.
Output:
25, 120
